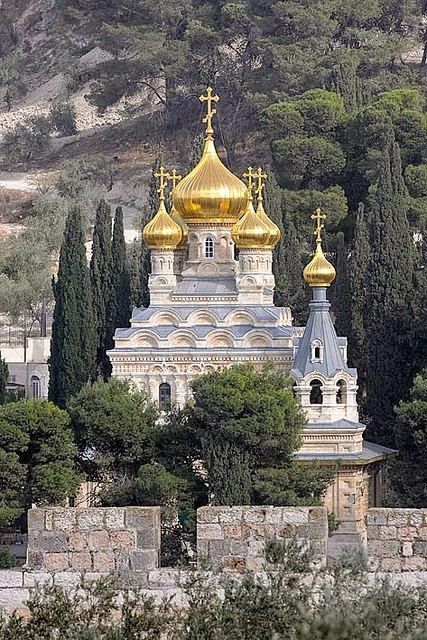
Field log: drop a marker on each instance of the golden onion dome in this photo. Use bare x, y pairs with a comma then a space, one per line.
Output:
319, 272
250, 232
162, 232
273, 228
184, 226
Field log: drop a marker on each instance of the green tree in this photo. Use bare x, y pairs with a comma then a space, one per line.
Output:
113, 423
119, 308
409, 473
63, 117
4, 375
100, 277
73, 346
149, 211
390, 289
340, 290
133, 254
230, 474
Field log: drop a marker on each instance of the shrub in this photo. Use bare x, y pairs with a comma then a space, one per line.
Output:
7, 559
27, 141
63, 118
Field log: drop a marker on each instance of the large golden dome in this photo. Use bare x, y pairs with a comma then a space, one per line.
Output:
162, 232
210, 192
250, 232
319, 272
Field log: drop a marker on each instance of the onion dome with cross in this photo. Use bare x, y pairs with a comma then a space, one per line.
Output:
319, 272
162, 232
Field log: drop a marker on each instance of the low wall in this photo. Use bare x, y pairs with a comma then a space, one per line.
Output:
234, 538
98, 540
397, 539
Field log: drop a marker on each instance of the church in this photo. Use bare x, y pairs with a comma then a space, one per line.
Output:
211, 306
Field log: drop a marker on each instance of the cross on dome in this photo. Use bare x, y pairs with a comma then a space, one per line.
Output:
174, 177
250, 175
207, 120
260, 177
318, 217
164, 177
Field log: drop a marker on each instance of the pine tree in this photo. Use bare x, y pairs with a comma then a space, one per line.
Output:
119, 307
358, 281
390, 286
148, 212
340, 293
4, 374
229, 473
100, 276
347, 84
73, 343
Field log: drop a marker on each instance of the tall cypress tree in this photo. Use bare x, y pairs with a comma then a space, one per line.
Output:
100, 276
358, 281
340, 294
119, 308
4, 374
389, 295
73, 343
148, 212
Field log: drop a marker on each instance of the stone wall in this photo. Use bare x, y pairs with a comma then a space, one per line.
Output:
397, 539
96, 539
234, 538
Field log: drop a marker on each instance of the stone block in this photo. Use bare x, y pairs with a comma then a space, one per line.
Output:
98, 540
55, 561
67, 579
219, 548
144, 560
420, 548
391, 564
207, 515
49, 520
376, 517
78, 541
373, 532
422, 533
254, 532
387, 532
234, 563
13, 599
230, 515
416, 518
273, 515
407, 549
312, 531
36, 520
415, 563
147, 539
318, 514
125, 540
103, 561
373, 563
64, 519
240, 548
81, 561
232, 531
398, 517
254, 564
210, 532
11, 578
295, 515
161, 578
37, 578
114, 518
203, 548
52, 541
34, 559
122, 562
384, 548
142, 518
407, 533
318, 549
286, 531
90, 518
254, 515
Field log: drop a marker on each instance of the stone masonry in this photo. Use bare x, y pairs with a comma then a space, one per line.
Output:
99, 540
397, 540
234, 538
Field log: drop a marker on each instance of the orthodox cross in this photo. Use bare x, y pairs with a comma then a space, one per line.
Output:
174, 178
164, 176
260, 177
207, 120
318, 218
250, 175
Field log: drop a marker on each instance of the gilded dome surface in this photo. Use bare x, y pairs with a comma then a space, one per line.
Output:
162, 232
319, 272
250, 232
184, 226
273, 228
210, 192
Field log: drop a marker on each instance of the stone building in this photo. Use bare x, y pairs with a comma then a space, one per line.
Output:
210, 309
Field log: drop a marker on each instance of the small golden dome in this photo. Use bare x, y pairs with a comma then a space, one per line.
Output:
210, 192
184, 226
250, 232
319, 272
273, 228
162, 232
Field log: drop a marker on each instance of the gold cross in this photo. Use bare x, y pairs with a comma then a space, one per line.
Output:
250, 175
260, 176
207, 120
318, 217
174, 178
164, 176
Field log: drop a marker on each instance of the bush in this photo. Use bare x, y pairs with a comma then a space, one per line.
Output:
7, 559
27, 141
63, 118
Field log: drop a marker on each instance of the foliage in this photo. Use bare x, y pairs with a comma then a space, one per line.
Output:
72, 355
27, 141
113, 425
229, 473
4, 375
148, 212
63, 118
7, 560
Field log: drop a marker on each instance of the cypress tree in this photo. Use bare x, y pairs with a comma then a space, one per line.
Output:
133, 253
119, 308
290, 287
347, 84
73, 343
389, 296
100, 276
340, 294
358, 282
229, 473
4, 374
196, 151
148, 212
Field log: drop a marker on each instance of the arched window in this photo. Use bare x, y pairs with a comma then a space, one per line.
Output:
341, 392
316, 395
165, 402
209, 247
35, 387
317, 351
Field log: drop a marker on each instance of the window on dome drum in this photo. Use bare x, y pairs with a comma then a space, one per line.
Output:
317, 351
316, 393
209, 248
341, 392
165, 397
35, 387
